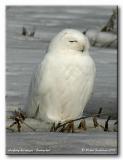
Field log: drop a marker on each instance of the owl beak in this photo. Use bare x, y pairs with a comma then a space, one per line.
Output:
82, 50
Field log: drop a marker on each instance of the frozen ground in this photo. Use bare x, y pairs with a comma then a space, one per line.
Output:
61, 143
24, 53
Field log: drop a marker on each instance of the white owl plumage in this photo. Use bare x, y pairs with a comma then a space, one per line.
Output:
63, 82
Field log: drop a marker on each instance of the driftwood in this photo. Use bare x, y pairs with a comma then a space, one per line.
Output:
27, 33
69, 126
18, 119
109, 27
106, 36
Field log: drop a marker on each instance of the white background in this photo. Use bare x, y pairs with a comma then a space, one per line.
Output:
2, 71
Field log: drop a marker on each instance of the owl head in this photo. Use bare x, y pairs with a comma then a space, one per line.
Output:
70, 40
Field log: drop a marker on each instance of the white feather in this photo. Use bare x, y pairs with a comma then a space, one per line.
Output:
63, 83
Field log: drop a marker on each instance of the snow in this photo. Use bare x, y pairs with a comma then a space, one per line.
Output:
61, 143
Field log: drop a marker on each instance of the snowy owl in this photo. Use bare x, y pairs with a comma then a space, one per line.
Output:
63, 82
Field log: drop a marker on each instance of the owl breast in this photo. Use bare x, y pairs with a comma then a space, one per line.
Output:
66, 87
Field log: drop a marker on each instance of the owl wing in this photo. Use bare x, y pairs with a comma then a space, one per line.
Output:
32, 99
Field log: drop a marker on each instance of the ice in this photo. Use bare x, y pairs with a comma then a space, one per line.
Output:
61, 143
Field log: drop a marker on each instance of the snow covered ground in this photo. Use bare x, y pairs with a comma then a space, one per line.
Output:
61, 143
